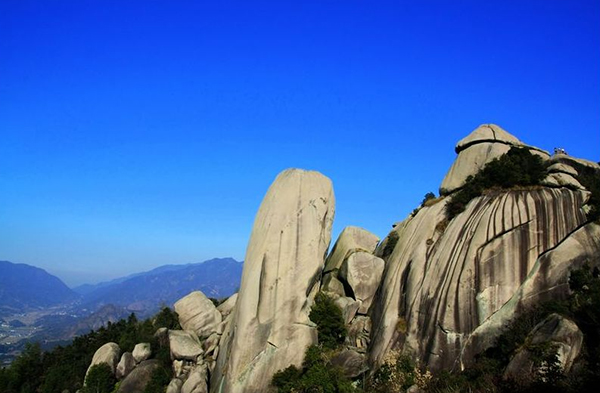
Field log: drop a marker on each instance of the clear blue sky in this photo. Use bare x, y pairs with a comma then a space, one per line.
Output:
139, 133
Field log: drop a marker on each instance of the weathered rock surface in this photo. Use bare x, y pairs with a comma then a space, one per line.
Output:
446, 294
109, 353
488, 133
197, 313
126, 365
137, 380
348, 306
361, 272
270, 329
563, 168
184, 345
484, 144
141, 352
556, 330
197, 380
352, 239
226, 307
562, 180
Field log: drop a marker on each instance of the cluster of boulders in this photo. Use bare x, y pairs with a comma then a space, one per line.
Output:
133, 369
441, 291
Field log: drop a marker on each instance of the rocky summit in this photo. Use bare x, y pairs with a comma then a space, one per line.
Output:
440, 288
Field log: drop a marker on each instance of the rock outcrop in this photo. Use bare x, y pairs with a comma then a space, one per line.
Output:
449, 288
270, 328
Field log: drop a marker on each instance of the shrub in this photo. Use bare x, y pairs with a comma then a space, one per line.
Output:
390, 244
317, 375
329, 320
159, 380
100, 379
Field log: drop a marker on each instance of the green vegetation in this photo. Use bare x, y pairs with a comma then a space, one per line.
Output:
390, 244
518, 167
329, 320
64, 368
159, 380
486, 374
317, 373
397, 374
99, 380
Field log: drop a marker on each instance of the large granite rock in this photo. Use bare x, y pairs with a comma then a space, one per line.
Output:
448, 291
561, 333
484, 144
352, 239
126, 365
361, 272
184, 345
270, 329
109, 353
137, 380
197, 313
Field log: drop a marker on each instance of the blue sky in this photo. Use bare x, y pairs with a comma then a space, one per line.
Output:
140, 133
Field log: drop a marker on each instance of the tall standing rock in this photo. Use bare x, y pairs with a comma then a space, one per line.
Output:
270, 329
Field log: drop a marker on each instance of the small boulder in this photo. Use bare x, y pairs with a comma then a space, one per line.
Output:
361, 272
351, 362
174, 386
227, 306
109, 353
348, 306
197, 313
351, 239
141, 352
137, 380
197, 381
184, 345
126, 365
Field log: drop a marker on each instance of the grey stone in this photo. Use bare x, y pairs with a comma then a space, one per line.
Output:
109, 353
137, 380
197, 313
141, 352
284, 260
126, 365
184, 345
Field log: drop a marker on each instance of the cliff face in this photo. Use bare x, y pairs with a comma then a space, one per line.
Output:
448, 289
440, 285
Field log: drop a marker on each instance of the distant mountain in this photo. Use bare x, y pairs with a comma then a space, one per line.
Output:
86, 289
144, 293
24, 287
